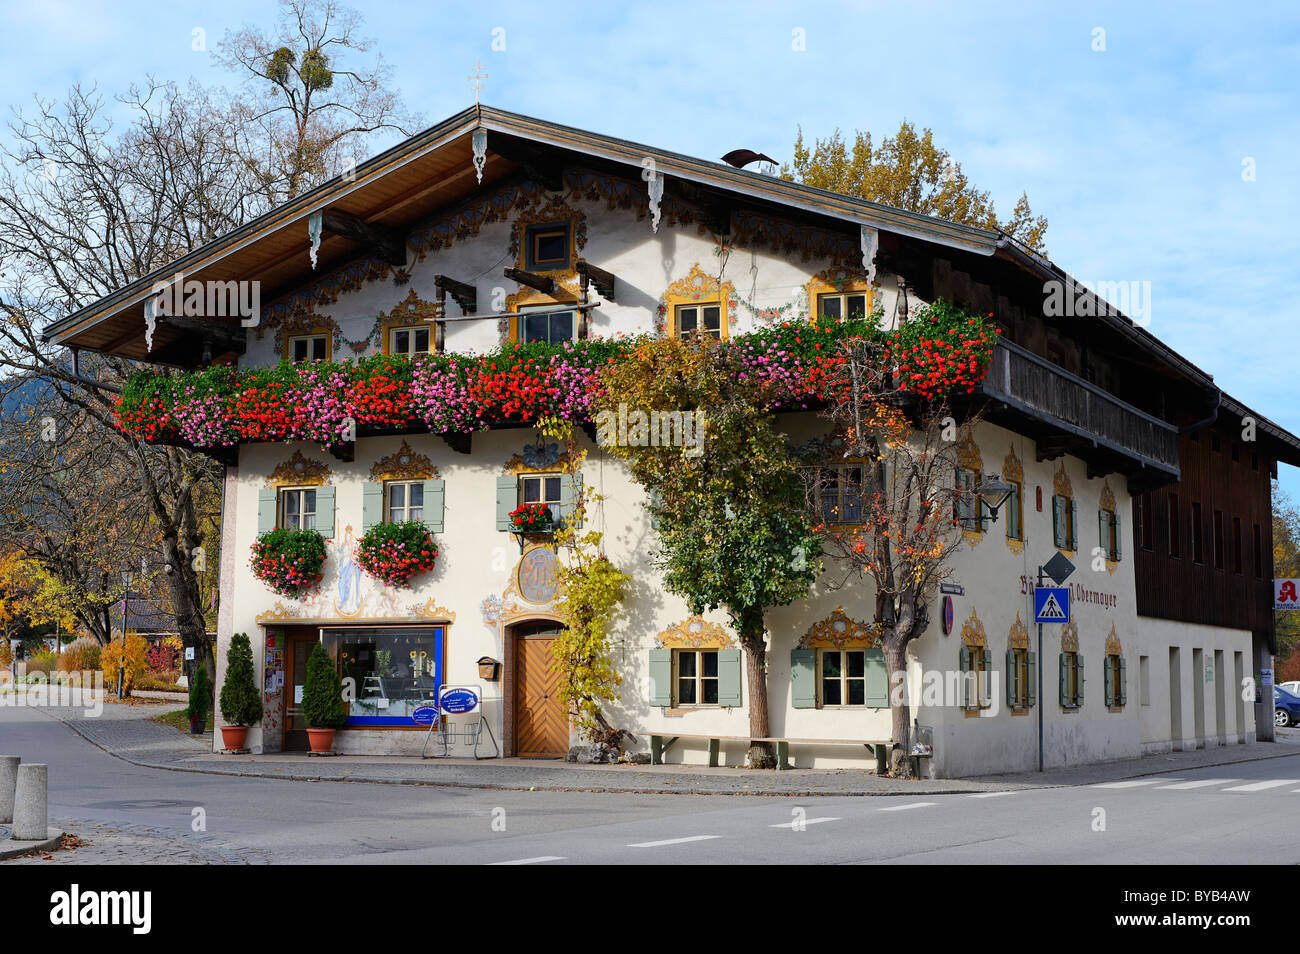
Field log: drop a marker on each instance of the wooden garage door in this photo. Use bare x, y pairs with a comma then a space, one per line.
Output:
541, 729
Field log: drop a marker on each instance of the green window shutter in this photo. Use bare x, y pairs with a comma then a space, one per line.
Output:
1058, 522
803, 678
325, 512
1119, 535
570, 491
1123, 681
433, 505
729, 677
1103, 532
1074, 526
661, 673
372, 504
877, 684
1012, 696
1078, 696
986, 679
963, 660
1032, 688
1012, 507
1065, 670
507, 500
1108, 693
266, 499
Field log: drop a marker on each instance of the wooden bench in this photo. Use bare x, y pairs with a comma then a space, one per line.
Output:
660, 744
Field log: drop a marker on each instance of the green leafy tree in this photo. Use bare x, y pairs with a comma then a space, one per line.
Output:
1286, 565
727, 507
322, 696
908, 171
241, 703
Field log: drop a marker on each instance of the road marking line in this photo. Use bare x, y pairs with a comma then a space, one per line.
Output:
672, 841
1129, 784
806, 821
989, 794
531, 861
1260, 786
1200, 783
903, 808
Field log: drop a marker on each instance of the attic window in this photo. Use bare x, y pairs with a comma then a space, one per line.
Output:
547, 247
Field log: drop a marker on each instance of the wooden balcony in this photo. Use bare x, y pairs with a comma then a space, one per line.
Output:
1066, 414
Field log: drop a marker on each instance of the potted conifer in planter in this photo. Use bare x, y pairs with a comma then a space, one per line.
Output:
241, 703
322, 701
200, 700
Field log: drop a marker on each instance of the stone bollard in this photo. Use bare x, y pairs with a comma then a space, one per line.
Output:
31, 821
8, 780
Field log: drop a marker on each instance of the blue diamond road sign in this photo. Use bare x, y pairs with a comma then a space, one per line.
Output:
1051, 604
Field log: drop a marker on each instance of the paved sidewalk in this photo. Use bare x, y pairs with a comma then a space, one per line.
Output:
129, 732
121, 844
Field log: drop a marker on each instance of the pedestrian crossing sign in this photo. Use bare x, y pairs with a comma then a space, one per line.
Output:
1051, 604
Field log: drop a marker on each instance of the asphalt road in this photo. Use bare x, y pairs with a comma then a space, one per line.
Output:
1241, 813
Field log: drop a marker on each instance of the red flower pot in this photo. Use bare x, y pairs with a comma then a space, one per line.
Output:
321, 740
234, 736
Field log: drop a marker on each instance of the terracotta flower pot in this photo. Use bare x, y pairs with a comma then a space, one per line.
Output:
322, 740
234, 736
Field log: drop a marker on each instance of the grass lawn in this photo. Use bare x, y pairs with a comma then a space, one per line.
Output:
178, 720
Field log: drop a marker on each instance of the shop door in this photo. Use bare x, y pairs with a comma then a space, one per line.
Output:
541, 725
298, 647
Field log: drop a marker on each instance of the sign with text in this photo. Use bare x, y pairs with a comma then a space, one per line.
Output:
1286, 594
1051, 604
459, 700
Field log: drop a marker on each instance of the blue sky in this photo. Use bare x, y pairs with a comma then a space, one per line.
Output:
1135, 153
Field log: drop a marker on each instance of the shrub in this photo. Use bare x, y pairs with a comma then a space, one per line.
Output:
241, 703
135, 660
200, 694
396, 552
80, 655
322, 696
163, 681
289, 561
6, 654
161, 657
43, 660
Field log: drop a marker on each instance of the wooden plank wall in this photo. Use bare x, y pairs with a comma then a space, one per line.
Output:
1178, 588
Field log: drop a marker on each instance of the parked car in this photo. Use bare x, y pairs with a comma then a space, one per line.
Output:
1286, 707
1292, 687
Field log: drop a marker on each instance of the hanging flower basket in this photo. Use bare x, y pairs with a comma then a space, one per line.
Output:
532, 518
394, 553
289, 561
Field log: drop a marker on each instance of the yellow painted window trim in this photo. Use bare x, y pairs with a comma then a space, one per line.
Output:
821, 284
280, 492
565, 297
322, 331
698, 678
860, 647
720, 304
386, 342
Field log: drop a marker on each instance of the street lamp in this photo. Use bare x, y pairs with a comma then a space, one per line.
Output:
993, 492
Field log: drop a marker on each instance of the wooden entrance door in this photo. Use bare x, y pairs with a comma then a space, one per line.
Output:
298, 646
541, 723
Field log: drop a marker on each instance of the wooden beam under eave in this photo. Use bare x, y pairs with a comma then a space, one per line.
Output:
388, 243
543, 283
419, 192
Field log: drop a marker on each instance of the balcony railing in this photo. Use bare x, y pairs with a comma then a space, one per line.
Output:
1049, 393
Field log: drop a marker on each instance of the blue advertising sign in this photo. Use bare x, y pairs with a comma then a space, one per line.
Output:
458, 701
1051, 604
425, 715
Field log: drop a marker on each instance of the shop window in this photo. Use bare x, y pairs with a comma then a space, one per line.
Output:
395, 671
1071, 679
695, 680
298, 508
404, 500
547, 247
306, 348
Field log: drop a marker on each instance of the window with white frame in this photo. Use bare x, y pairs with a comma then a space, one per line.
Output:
303, 348
404, 500
835, 306
409, 341
544, 489
706, 318
298, 508
842, 679
545, 325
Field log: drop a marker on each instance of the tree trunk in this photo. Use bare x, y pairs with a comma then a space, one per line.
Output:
183, 588
900, 711
751, 638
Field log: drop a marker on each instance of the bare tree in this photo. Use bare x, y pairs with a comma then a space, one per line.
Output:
304, 107
912, 510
